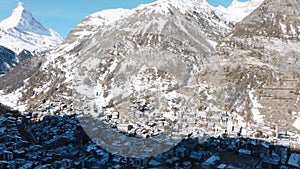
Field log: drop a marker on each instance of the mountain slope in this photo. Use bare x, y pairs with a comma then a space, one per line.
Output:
152, 41
22, 31
260, 59
94, 22
146, 61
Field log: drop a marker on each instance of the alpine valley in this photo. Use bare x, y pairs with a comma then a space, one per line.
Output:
183, 66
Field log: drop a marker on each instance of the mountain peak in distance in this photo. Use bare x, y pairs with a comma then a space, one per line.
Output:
22, 31
22, 20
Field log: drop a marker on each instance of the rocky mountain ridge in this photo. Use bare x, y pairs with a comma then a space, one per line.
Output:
9, 59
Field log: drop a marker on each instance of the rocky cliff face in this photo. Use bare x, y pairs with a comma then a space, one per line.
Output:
8, 59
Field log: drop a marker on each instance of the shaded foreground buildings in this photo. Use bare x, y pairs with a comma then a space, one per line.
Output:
60, 142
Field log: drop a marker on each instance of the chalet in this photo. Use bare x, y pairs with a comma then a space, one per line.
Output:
260, 151
294, 160
210, 162
115, 115
48, 160
19, 153
154, 163
6, 155
171, 161
270, 162
186, 164
199, 155
181, 152
140, 161
222, 166
244, 151
66, 163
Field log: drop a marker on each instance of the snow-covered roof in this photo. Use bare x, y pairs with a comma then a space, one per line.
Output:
294, 160
211, 160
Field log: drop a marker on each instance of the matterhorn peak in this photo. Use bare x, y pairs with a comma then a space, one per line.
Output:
21, 6
22, 31
21, 10
22, 20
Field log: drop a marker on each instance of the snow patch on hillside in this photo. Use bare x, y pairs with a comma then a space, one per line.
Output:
12, 100
296, 124
93, 22
257, 117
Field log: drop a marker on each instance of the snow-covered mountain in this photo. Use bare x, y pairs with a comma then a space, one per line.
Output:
166, 40
92, 23
22, 31
260, 59
238, 10
171, 59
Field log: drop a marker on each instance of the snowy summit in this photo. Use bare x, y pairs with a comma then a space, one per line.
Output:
22, 31
21, 19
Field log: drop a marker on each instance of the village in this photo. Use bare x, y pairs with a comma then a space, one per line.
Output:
59, 141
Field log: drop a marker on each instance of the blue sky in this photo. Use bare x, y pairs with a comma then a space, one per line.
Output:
222, 2
63, 15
